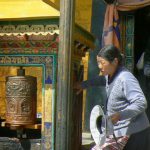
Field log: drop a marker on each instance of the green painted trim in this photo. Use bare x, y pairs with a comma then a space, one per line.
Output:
27, 55
24, 65
54, 100
38, 54
32, 22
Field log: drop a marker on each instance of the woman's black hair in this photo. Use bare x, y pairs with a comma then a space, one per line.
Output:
110, 52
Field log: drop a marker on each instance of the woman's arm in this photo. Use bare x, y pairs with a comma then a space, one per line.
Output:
96, 81
135, 97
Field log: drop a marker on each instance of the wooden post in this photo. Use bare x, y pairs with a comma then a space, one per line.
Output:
64, 78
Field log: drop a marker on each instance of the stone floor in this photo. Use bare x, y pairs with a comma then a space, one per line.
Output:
87, 141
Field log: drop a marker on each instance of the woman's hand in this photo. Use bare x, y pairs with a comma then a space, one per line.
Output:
115, 117
77, 86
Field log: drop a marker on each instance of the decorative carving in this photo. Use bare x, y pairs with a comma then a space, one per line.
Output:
129, 41
11, 106
21, 100
28, 29
29, 47
19, 60
26, 107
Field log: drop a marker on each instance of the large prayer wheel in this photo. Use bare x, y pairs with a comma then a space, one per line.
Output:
21, 99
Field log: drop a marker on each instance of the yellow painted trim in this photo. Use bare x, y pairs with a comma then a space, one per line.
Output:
28, 18
85, 61
16, 9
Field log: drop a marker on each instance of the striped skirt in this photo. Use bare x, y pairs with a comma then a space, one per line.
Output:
113, 144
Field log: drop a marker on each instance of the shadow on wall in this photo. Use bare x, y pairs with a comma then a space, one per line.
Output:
98, 11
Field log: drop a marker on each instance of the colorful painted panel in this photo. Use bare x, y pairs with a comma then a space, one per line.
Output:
48, 64
32, 44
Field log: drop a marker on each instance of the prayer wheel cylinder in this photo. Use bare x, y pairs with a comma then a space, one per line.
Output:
21, 100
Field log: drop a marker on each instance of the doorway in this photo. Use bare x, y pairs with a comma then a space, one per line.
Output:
142, 45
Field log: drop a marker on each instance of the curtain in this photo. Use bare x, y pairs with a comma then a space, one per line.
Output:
111, 29
127, 5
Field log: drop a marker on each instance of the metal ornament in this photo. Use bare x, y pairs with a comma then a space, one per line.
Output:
21, 99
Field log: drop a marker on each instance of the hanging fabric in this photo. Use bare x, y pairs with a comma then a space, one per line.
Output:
111, 29
128, 5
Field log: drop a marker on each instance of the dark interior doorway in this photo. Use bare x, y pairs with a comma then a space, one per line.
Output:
142, 44
142, 31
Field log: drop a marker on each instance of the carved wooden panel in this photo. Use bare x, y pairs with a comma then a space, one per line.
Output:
127, 39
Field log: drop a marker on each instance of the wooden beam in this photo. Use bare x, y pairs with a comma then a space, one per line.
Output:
64, 79
49, 2
31, 126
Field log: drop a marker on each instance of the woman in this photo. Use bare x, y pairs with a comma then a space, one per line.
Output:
125, 103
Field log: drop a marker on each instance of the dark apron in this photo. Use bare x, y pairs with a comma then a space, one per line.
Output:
139, 141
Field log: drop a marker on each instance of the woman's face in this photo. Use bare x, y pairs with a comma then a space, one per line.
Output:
106, 67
